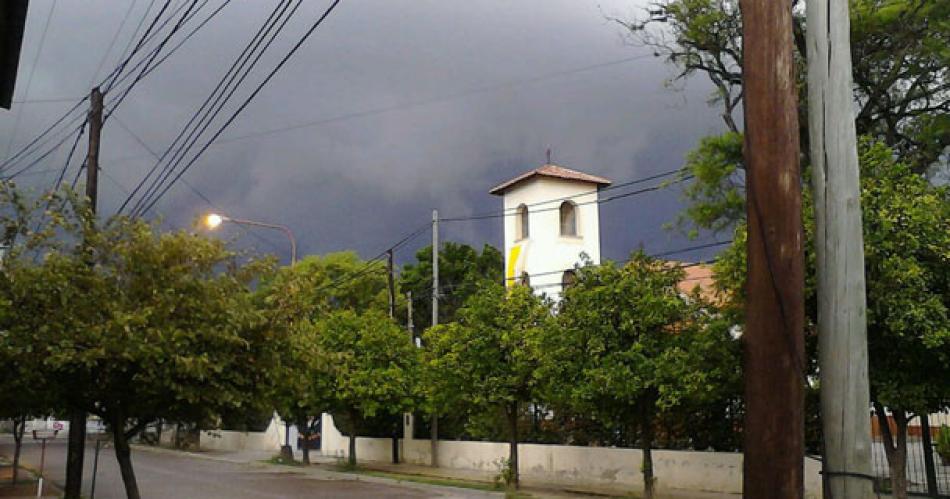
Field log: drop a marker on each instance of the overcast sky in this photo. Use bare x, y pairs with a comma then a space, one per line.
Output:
451, 97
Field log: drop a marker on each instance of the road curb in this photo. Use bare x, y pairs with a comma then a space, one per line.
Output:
316, 471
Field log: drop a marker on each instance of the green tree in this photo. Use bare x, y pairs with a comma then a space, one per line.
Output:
373, 368
19, 387
180, 340
631, 347
24, 391
304, 385
907, 264
489, 359
137, 326
901, 64
293, 299
461, 269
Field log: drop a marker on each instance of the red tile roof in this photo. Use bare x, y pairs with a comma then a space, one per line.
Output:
553, 171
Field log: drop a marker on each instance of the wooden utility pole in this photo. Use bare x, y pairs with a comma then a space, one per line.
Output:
839, 250
392, 283
773, 340
392, 314
76, 446
434, 427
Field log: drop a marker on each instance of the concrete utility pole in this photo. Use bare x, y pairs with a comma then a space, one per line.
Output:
409, 326
76, 446
773, 340
434, 430
839, 250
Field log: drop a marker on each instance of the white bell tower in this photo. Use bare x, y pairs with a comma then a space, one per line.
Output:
552, 219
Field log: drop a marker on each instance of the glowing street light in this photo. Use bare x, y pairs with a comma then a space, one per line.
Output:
213, 220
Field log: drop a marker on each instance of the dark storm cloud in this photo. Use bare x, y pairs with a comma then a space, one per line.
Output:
480, 89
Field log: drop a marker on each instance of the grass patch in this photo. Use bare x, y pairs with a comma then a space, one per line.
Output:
278, 459
442, 482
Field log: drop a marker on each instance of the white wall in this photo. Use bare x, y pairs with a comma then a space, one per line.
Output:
545, 250
589, 468
270, 439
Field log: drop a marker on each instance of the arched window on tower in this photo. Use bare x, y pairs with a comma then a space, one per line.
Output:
568, 219
522, 226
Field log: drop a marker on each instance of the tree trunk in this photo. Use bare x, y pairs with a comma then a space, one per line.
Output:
123, 454
646, 442
19, 426
75, 452
895, 447
434, 441
158, 438
513, 443
306, 430
352, 456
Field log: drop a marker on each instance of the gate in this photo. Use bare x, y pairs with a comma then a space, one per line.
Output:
927, 474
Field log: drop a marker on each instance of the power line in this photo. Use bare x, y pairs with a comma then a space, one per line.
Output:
412, 104
43, 156
505, 213
146, 38
46, 100
43, 139
29, 79
370, 264
654, 255
434, 100
151, 58
115, 37
188, 184
693, 248
26, 150
135, 32
214, 103
118, 80
247, 101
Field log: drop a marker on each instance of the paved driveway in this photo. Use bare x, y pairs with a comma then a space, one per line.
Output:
171, 475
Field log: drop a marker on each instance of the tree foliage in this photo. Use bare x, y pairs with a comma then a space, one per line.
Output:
489, 359
372, 369
898, 47
461, 269
134, 325
631, 347
907, 267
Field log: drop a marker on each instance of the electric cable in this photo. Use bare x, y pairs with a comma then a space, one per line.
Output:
214, 103
247, 101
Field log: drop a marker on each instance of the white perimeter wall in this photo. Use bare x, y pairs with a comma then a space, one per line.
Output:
270, 439
591, 468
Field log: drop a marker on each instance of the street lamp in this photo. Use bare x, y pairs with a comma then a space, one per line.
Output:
213, 220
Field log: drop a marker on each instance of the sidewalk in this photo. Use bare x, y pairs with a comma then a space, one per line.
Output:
328, 466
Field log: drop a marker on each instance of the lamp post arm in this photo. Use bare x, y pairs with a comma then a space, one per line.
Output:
283, 228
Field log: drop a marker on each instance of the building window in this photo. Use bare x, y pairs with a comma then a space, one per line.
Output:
568, 278
522, 227
568, 219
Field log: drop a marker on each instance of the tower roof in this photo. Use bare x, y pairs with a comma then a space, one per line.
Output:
552, 171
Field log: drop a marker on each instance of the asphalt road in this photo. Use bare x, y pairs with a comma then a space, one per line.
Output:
170, 475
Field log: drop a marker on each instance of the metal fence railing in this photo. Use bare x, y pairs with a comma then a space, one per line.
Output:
927, 475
